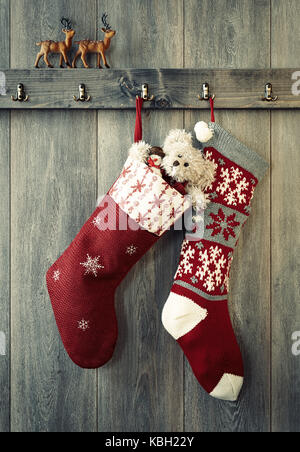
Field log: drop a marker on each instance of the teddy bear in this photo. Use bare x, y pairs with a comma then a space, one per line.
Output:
187, 165
182, 165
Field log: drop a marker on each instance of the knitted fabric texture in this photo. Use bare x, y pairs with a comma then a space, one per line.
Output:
196, 312
138, 209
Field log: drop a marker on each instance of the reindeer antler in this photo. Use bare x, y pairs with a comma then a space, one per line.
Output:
66, 23
104, 21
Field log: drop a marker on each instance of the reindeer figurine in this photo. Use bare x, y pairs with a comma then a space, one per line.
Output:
99, 47
61, 47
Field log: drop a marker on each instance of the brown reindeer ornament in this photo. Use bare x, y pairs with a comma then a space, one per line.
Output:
100, 47
61, 47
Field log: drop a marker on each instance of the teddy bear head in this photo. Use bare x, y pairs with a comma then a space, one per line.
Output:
184, 163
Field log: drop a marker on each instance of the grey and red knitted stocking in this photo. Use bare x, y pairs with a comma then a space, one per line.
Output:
196, 312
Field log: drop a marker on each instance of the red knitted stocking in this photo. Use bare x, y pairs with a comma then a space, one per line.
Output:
137, 210
196, 312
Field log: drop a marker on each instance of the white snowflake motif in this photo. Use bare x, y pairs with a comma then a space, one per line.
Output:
209, 156
97, 222
56, 275
212, 262
92, 265
83, 325
187, 261
234, 186
131, 250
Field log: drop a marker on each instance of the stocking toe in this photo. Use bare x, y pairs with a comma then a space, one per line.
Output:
228, 388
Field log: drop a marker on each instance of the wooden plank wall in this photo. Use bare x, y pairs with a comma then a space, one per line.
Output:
285, 221
4, 230
59, 161
53, 160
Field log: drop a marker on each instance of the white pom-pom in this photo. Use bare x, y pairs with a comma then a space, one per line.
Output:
203, 132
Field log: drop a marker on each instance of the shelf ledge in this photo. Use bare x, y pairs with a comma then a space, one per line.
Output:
116, 89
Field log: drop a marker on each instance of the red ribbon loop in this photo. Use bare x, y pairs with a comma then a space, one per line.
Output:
138, 132
211, 101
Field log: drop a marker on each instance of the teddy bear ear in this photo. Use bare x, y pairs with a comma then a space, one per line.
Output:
178, 136
203, 132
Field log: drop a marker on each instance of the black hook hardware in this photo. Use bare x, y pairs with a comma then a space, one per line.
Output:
21, 95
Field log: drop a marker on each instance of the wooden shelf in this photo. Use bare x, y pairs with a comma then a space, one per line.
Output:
173, 88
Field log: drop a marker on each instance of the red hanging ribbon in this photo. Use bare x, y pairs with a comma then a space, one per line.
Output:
211, 101
138, 132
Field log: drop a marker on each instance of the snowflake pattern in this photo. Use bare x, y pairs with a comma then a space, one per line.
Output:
223, 224
138, 187
206, 267
186, 262
147, 198
157, 201
97, 221
92, 265
56, 275
131, 250
210, 270
212, 196
209, 156
234, 186
83, 325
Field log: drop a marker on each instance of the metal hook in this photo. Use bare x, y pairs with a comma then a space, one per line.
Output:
145, 93
268, 93
205, 93
21, 95
83, 97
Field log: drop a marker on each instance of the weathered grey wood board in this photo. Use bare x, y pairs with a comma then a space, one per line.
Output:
53, 192
4, 233
53, 165
285, 224
171, 88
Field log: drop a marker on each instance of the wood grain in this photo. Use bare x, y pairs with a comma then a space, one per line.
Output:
285, 271
5, 271
285, 227
53, 193
41, 21
225, 25
172, 88
149, 33
227, 34
149, 395
4, 229
60, 159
